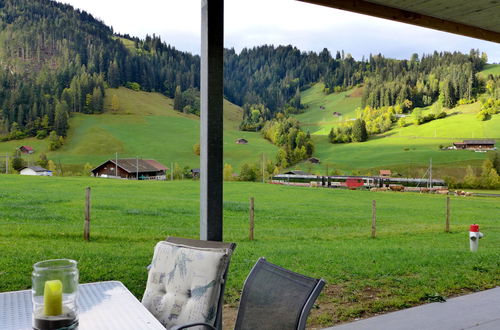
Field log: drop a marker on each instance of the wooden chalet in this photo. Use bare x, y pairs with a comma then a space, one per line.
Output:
26, 149
297, 172
475, 145
131, 168
242, 141
385, 173
195, 173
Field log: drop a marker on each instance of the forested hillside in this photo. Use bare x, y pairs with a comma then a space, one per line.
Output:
55, 60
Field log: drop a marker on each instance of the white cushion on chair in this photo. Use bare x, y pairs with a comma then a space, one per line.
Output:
184, 283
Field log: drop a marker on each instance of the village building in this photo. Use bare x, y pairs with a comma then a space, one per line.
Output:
242, 141
475, 145
26, 149
131, 168
195, 173
313, 160
297, 172
385, 173
35, 170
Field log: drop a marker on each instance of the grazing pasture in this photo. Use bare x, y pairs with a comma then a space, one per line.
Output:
315, 231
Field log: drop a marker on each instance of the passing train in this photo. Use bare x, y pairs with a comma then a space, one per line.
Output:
354, 182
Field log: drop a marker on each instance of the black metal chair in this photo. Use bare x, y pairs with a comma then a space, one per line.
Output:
275, 298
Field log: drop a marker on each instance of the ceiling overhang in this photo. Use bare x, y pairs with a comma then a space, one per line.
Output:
406, 13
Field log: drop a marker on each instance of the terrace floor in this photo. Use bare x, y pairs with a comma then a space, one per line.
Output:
478, 311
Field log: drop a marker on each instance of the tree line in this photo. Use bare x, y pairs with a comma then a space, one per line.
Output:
58, 60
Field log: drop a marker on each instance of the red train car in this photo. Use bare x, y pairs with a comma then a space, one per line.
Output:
353, 183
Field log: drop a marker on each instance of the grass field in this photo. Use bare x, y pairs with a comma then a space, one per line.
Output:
145, 126
406, 150
318, 232
493, 69
320, 121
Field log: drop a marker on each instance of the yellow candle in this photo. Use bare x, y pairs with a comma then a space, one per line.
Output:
52, 298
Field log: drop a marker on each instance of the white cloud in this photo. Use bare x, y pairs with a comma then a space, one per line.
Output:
257, 22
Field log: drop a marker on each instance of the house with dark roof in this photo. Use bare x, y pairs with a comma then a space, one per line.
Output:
242, 141
131, 168
475, 145
297, 172
314, 160
26, 149
35, 170
195, 173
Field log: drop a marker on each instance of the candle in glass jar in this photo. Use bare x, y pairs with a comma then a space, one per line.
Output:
52, 298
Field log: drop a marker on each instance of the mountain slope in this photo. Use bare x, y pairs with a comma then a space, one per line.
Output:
145, 126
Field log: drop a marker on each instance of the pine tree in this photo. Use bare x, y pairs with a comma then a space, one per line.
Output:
61, 118
178, 99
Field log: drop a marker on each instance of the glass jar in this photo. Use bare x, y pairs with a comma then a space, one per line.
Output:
54, 292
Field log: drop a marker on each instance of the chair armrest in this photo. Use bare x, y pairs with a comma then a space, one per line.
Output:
185, 326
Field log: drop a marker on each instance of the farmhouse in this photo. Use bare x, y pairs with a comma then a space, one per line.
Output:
26, 149
35, 170
195, 172
297, 172
385, 173
241, 141
131, 168
475, 145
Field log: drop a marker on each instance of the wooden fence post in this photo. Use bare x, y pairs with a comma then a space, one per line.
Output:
86, 227
447, 227
252, 209
374, 219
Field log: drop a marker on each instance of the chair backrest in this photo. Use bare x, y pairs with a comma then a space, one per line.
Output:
212, 245
276, 298
186, 281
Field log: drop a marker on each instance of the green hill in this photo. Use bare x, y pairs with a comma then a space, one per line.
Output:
493, 69
405, 150
319, 118
145, 126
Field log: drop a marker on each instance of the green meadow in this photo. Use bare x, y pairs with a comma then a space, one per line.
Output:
493, 69
319, 232
319, 120
404, 149
145, 126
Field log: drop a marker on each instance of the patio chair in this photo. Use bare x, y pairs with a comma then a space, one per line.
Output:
186, 282
275, 298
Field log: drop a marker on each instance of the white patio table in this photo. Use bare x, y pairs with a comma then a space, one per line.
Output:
102, 305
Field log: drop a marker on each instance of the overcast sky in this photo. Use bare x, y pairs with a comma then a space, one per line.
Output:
251, 23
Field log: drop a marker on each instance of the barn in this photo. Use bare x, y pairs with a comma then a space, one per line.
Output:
26, 149
35, 170
475, 145
242, 141
131, 168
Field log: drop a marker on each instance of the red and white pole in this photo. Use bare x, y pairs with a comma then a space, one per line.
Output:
474, 236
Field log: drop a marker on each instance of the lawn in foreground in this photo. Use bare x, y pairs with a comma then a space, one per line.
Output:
315, 231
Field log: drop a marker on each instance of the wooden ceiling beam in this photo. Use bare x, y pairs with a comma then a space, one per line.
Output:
404, 16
